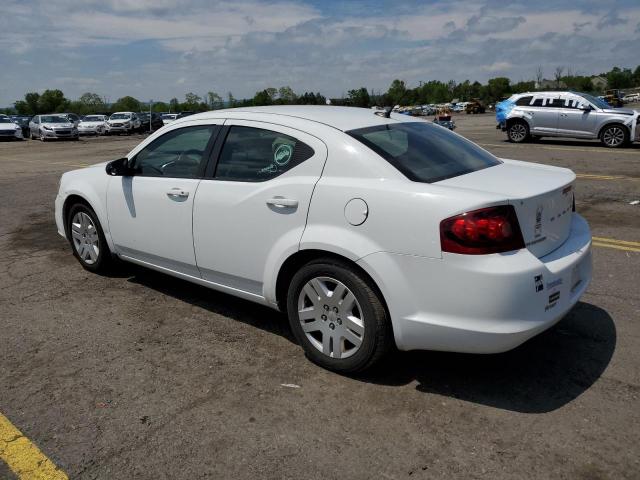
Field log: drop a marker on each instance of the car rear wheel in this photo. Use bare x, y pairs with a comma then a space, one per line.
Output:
338, 316
87, 239
614, 136
518, 132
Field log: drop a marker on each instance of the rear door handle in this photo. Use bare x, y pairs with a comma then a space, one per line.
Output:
281, 202
176, 193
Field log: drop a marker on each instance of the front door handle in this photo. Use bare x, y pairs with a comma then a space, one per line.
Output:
280, 202
177, 193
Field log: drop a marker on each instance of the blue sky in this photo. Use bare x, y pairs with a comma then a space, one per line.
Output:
158, 49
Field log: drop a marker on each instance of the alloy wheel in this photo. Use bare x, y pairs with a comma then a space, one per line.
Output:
518, 132
85, 238
613, 136
331, 317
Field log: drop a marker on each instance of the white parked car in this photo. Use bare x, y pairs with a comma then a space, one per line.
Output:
10, 129
93, 125
123, 122
167, 118
366, 230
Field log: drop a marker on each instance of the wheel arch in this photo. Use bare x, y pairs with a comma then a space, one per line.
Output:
611, 123
301, 257
512, 120
75, 197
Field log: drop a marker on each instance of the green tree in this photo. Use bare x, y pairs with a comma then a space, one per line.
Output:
192, 101
497, 88
286, 95
174, 105
215, 100
262, 98
160, 107
397, 93
359, 97
52, 101
126, 104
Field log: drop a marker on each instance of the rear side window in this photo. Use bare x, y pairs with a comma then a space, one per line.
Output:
537, 102
524, 101
256, 155
556, 103
424, 152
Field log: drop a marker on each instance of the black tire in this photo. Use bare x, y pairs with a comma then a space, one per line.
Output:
614, 136
42, 137
104, 261
377, 338
518, 131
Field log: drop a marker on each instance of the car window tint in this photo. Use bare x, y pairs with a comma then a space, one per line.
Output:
178, 153
556, 103
524, 101
537, 102
425, 152
255, 155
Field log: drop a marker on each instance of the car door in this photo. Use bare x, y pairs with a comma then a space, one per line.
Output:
574, 121
150, 211
251, 210
542, 117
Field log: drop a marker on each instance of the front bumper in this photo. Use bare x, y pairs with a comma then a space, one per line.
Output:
484, 303
90, 130
118, 129
60, 134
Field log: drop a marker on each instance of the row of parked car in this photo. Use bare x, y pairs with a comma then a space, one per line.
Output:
72, 126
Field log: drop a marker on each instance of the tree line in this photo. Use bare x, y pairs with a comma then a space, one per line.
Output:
398, 93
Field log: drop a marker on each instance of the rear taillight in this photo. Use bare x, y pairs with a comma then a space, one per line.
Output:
488, 230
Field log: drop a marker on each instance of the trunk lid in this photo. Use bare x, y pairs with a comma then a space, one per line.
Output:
541, 195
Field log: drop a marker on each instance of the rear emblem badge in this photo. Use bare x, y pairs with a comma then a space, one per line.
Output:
538, 225
538, 283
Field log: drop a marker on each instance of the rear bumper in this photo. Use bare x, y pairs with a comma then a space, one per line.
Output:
484, 303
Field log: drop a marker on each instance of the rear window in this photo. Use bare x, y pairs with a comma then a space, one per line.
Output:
425, 152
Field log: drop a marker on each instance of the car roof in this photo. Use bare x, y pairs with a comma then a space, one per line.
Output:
341, 118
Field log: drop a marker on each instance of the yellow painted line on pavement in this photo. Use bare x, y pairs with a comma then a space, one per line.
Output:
591, 176
568, 149
618, 242
23, 457
617, 247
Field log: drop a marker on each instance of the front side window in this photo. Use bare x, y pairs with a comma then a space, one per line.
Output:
425, 152
255, 155
179, 153
524, 101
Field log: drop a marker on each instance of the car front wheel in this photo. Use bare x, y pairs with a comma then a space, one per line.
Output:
518, 132
338, 316
87, 239
614, 136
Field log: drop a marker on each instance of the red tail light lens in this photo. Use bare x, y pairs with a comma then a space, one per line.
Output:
488, 230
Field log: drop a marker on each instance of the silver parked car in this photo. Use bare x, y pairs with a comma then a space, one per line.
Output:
529, 116
53, 126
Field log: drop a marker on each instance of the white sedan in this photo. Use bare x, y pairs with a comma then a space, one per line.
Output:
10, 129
367, 229
93, 125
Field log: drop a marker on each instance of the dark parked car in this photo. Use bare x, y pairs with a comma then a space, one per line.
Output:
23, 121
155, 124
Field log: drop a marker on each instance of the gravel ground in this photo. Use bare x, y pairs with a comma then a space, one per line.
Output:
140, 375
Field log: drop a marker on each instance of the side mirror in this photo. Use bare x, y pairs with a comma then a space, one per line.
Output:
118, 168
585, 107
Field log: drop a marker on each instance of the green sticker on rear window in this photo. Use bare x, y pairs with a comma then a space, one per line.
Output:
283, 154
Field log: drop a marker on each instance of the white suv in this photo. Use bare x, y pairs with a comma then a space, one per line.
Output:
123, 122
366, 229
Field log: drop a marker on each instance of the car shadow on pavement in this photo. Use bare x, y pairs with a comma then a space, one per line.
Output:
540, 376
219, 303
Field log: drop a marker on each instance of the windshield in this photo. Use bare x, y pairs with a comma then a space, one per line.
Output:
93, 118
54, 119
425, 152
598, 102
120, 116
5, 120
